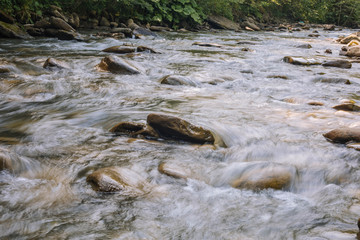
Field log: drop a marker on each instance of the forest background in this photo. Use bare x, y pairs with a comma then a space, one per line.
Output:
174, 13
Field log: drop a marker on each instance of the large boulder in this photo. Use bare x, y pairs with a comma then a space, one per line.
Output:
118, 65
223, 23
349, 38
261, 175
58, 23
8, 30
353, 51
43, 23
174, 128
338, 64
118, 179
343, 135
301, 61
177, 80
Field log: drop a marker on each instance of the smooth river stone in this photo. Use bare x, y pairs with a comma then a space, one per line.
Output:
301, 61
177, 80
120, 49
203, 44
347, 107
338, 64
118, 179
118, 65
343, 135
264, 175
175, 128
51, 63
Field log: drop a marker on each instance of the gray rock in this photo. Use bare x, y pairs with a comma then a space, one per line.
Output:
58, 23
332, 80
223, 23
301, 61
52, 63
177, 80
104, 22
338, 64
12, 31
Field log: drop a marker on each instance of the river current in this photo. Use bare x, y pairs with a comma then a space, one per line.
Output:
55, 124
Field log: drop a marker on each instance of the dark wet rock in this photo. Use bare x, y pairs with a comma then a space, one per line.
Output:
43, 23
343, 135
104, 22
12, 31
118, 65
145, 49
114, 24
278, 76
51, 32
117, 179
353, 51
160, 29
314, 35
177, 80
4, 17
74, 20
35, 32
247, 71
308, 46
315, 103
301, 61
203, 44
223, 23
338, 64
66, 35
5, 160
175, 128
120, 49
351, 107
134, 130
112, 35
328, 51
58, 23
332, 80
139, 32
4, 69
329, 27
52, 63
247, 50
261, 175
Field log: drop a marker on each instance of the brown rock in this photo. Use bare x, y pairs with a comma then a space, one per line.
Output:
145, 49
43, 23
36, 32
120, 49
314, 35
177, 129
58, 23
347, 107
66, 35
74, 20
350, 38
263, 175
118, 65
117, 179
329, 27
51, 63
332, 80
5, 160
338, 64
160, 29
353, 51
308, 46
104, 22
355, 146
173, 170
343, 135
223, 23
328, 51
315, 103
251, 25
203, 44
126, 31
114, 24
127, 127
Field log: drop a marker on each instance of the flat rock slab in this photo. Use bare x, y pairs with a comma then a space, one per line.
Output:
301, 61
118, 179
118, 65
175, 128
343, 135
338, 64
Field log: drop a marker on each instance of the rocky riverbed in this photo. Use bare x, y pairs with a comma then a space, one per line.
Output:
216, 134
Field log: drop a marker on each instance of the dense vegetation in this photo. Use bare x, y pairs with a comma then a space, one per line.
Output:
182, 12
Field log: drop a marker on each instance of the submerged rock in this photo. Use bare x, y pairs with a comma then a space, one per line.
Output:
332, 80
308, 46
177, 80
175, 128
174, 170
301, 61
145, 49
347, 107
203, 44
338, 63
51, 63
223, 23
343, 135
117, 179
261, 175
118, 65
134, 130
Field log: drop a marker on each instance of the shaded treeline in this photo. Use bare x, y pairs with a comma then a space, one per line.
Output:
177, 13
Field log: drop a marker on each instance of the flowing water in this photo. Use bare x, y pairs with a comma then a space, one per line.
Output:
54, 125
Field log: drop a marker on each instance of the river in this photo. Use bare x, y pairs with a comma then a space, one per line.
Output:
55, 125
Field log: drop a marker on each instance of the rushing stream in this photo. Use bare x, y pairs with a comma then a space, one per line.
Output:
55, 126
